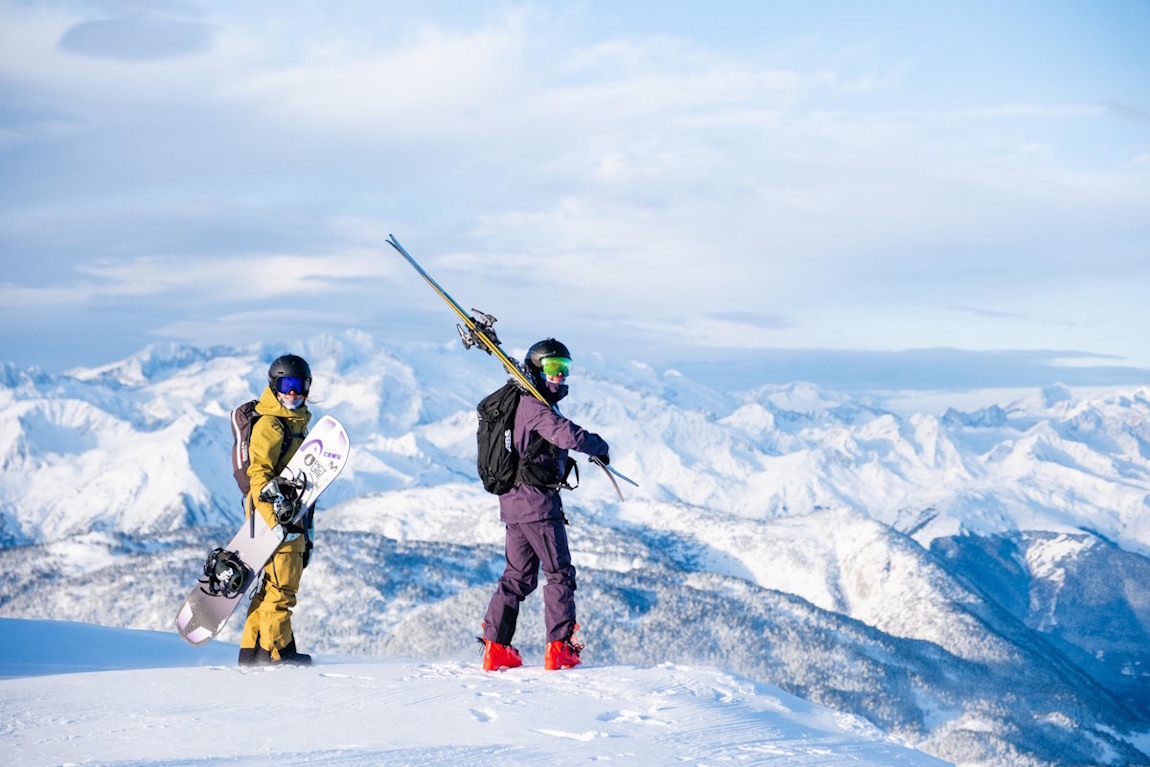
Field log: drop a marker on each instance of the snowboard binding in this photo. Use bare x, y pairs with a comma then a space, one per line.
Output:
284, 495
292, 491
226, 574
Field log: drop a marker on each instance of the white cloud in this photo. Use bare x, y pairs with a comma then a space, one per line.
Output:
138, 38
248, 277
24, 298
206, 280
521, 146
37, 131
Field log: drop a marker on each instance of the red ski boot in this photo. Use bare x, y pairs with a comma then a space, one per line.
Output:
499, 656
563, 654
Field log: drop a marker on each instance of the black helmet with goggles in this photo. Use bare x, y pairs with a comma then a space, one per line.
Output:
290, 373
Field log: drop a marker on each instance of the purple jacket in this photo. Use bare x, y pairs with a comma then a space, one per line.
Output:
526, 503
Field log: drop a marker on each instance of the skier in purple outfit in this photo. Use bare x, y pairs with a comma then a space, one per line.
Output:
533, 513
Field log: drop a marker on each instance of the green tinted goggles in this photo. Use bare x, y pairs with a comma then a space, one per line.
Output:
556, 366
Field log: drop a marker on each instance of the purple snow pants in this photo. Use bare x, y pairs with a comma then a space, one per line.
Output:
531, 545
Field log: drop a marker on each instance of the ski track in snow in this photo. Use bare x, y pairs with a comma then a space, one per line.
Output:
348, 711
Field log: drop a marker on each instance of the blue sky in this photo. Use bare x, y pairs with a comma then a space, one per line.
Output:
881, 194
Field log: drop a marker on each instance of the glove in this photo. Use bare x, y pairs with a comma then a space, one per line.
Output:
603, 459
283, 508
307, 547
271, 491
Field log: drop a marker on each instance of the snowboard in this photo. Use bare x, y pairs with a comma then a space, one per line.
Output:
234, 571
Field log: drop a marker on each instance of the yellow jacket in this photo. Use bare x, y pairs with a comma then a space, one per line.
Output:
265, 450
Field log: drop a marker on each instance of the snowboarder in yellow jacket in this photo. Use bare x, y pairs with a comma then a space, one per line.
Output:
267, 635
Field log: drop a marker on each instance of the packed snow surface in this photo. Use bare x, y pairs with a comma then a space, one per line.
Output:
140, 698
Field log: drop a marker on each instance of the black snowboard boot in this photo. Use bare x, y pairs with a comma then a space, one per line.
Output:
290, 656
254, 656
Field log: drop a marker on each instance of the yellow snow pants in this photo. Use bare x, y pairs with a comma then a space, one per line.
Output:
269, 615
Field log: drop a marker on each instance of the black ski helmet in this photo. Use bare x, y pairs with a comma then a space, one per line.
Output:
540, 351
290, 365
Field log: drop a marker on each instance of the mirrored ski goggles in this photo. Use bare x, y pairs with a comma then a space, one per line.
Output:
556, 366
286, 384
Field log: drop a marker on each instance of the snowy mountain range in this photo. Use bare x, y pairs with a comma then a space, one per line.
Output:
974, 582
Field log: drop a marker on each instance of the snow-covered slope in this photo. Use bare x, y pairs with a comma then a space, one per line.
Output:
351, 711
939, 575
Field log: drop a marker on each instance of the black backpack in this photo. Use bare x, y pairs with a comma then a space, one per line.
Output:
498, 463
242, 419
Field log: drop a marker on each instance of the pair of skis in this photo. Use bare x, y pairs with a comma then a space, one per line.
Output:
476, 330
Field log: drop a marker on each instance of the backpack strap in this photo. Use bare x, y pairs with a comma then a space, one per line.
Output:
530, 473
571, 466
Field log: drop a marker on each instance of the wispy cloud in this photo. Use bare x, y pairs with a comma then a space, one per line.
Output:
138, 38
1128, 111
22, 131
526, 151
994, 314
754, 319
